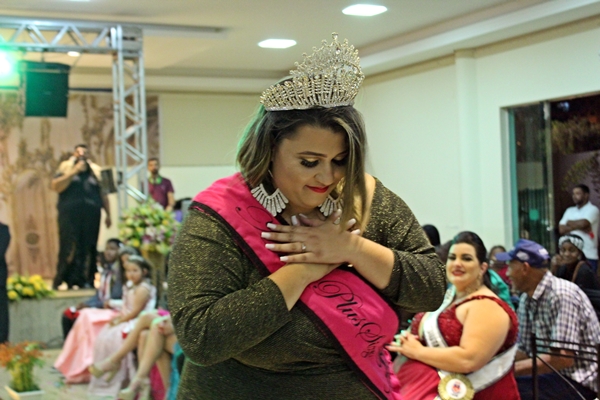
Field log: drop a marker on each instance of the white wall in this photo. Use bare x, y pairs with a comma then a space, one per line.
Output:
189, 181
202, 129
559, 67
199, 137
414, 131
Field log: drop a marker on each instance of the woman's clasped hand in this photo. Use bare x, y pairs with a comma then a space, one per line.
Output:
313, 240
406, 344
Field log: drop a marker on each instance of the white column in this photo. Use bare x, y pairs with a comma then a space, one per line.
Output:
470, 156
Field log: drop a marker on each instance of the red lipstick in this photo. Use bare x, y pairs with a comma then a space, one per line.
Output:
318, 189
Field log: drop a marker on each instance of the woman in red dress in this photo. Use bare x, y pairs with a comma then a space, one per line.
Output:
465, 349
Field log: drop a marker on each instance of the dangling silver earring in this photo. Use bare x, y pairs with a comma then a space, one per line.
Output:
330, 205
274, 202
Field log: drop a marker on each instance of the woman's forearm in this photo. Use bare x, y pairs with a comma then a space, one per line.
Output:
455, 359
209, 332
292, 279
372, 260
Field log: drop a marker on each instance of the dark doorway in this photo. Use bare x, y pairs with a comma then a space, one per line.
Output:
555, 145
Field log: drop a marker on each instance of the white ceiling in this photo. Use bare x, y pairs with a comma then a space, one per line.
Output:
410, 31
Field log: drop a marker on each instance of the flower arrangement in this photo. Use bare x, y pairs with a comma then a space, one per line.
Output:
19, 359
22, 287
148, 227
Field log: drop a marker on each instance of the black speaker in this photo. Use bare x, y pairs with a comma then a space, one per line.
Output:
108, 181
46, 88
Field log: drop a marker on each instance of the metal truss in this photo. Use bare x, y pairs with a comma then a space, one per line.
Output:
129, 102
124, 44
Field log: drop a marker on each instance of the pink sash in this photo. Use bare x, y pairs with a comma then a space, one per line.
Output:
345, 308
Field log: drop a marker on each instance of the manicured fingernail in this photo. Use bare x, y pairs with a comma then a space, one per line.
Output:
352, 221
284, 258
270, 246
265, 235
294, 220
271, 226
355, 232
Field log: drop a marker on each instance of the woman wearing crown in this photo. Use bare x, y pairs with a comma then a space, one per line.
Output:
286, 278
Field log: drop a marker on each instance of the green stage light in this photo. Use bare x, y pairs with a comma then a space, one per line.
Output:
6, 64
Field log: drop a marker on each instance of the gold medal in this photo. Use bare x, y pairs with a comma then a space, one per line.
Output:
455, 387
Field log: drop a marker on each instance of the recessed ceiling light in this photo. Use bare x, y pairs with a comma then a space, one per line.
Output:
277, 43
73, 53
364, 10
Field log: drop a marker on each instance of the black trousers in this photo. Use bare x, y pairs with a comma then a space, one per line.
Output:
3, 314
78, 236
553, 387
67, 323
4, 242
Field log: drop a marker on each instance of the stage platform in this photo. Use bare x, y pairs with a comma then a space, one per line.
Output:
40, 320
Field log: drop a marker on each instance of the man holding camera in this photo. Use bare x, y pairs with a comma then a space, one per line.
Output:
80, 201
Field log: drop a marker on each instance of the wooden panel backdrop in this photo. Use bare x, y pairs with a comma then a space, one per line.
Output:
30, 151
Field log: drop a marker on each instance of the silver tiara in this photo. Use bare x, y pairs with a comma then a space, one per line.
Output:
330, 77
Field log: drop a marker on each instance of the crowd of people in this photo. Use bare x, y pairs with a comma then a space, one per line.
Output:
122, 314
118, 340
304, 277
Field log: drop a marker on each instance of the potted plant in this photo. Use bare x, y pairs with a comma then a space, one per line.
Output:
19, 359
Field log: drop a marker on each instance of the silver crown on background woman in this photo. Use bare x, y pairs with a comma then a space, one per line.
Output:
330, 77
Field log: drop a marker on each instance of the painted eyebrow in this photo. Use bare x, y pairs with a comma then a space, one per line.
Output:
314, 154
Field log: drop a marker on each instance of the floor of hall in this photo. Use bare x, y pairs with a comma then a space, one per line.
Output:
50, 380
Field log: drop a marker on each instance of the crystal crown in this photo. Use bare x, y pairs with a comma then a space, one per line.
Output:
330, 77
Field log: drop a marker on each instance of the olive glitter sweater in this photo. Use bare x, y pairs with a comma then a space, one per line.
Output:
239, 338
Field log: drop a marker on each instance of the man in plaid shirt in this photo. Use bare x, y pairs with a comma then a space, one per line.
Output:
554, 309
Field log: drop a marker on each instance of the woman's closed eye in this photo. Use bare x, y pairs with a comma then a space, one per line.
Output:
340, 162
309, 164
312, 164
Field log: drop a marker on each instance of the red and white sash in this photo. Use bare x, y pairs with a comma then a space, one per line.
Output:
484, 377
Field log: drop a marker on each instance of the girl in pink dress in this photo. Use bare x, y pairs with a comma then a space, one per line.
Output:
78, 349
138, 295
